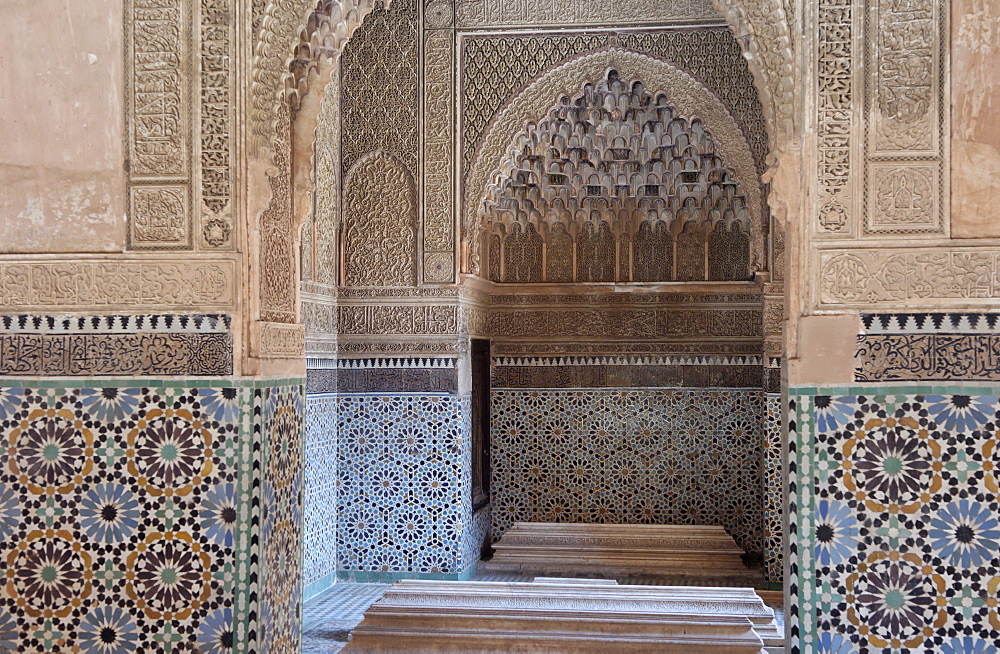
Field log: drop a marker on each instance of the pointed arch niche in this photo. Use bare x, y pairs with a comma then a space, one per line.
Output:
614, 185
618, 146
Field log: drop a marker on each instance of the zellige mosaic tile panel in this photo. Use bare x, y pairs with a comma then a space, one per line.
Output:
681, 456
896, 519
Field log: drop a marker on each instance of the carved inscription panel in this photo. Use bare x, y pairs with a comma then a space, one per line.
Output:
380, 223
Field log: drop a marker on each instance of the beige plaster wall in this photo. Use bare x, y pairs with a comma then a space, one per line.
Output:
61, 82
975, 145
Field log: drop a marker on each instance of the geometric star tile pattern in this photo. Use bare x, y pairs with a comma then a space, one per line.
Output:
773, 491
320, 492
654, 456
404, 484
125, 516
897, 520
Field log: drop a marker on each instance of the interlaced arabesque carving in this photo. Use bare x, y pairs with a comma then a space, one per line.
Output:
288, 34
496, 67
380, 74
380, 223
764, 28
615, 186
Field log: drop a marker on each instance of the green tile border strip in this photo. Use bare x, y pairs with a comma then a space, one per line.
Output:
318, 587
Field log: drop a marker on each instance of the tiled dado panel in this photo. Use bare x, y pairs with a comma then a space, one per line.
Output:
894, 542
773, 493
680, 456
404, 477
319, 528
130, 517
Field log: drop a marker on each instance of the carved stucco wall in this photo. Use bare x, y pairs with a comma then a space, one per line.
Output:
682, 91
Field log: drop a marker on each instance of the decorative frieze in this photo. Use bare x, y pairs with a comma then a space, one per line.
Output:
536, 13
167, 283
628, 376
405, 319
158, 344
279, 340
116, 354
900, 276
929, 347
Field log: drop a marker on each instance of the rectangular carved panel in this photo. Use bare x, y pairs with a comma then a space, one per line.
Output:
159, 216
859, 278
908, 116
152, 284
490, 13
158, 88
439, 145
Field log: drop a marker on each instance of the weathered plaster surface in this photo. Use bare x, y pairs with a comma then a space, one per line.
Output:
826, 350
61, 179
975, 154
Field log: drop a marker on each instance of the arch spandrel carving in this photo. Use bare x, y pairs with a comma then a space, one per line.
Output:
763, 28
686, 95
611, 163
380, 223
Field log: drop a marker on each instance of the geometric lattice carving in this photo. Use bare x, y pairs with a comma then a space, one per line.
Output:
380, 72
617, 182
380, 223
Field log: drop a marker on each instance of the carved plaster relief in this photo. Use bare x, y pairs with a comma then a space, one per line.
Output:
897, 276
439, 147
380, 223
379, 86
536, 13
177, 49
165, 283
157, 118
905, 136
215, 143
615, 165
764, 29
835, 114
682, 91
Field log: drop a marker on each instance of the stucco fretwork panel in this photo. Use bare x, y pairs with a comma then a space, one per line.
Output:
292, 33
615, 180
496, 67
380, 223
379, 85
763, 27
439, 157
320, 250
684, 93
523, 13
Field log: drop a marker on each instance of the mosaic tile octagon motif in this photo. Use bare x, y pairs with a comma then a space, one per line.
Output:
679, 456
319, 528
127, 516
404, 476
773, 489
895, 519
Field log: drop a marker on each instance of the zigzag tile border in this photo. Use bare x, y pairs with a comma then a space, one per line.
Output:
931, 323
